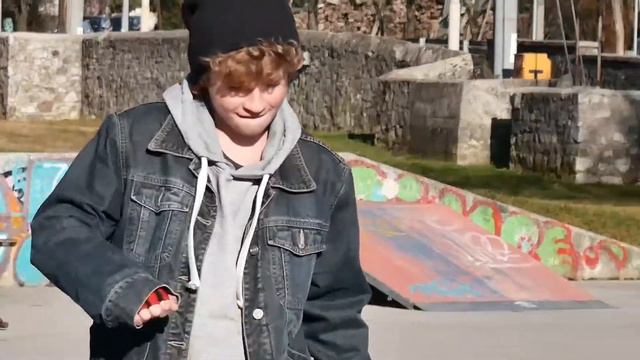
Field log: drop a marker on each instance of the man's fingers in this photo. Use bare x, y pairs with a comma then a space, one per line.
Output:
137, 321
156, 310
166, 305
174, 302
145, 314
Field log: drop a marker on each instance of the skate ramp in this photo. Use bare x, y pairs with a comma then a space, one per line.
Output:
429, 257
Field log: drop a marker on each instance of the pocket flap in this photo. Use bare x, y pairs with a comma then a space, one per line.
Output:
300, 241
160, 195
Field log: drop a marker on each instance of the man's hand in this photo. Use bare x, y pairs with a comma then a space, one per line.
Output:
158, 305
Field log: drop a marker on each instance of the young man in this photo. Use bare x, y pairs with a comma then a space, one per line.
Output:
207, 226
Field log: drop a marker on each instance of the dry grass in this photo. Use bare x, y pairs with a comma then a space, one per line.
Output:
54, 136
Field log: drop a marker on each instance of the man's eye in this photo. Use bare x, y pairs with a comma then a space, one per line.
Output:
271, 88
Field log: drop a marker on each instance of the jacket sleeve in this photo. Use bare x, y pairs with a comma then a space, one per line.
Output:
332, 322
71, 229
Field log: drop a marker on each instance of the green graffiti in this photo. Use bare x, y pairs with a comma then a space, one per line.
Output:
617, 250
483, 216
454, 202
367, 183
555, 253
409, 189
520, 231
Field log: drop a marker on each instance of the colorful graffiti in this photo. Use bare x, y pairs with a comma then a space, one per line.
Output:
569, 251
25, 182
426, 255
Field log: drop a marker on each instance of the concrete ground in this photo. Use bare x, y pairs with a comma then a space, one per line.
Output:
44, 324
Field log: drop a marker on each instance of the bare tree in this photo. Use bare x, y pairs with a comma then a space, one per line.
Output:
62, 16
617, 6
312, 14
411, 23
21, 9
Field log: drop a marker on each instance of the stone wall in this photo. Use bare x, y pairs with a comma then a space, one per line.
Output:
545, 132
44, 76
609, 137
451, 120
4, 76
121, 70
586, 135
435, 120
339, 90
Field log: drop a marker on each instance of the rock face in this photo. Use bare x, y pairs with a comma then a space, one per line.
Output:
587, 135
360, 16
41, 76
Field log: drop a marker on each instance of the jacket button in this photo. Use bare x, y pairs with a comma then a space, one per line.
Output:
258, 314
253, 251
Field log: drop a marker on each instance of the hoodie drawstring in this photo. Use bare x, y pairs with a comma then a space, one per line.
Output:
246, 242
201, 187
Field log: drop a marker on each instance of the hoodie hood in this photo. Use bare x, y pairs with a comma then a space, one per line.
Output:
199, 131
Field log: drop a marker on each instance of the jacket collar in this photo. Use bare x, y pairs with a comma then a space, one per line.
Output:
293, 175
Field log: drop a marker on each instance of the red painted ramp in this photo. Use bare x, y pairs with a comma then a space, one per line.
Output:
429, 257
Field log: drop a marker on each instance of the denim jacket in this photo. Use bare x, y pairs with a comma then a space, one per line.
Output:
115, 229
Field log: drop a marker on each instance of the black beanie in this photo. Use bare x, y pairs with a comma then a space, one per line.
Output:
222, 26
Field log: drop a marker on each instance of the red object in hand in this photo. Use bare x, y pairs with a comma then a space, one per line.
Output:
161, 294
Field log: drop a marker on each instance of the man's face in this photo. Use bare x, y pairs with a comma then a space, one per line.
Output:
247, 114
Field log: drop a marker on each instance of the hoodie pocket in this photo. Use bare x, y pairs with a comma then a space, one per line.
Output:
293, 249
158, 218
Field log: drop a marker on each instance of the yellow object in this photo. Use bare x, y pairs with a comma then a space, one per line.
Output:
532, 66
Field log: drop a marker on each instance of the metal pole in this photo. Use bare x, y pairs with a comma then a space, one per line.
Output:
144, 18
538, 22
125, 16
635, 28
534, 20
564, 37
576, 27
510, 37
73, 16
498, 38
599, 67
454, 25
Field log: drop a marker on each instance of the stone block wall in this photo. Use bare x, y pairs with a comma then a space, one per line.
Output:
4, 76
585, 135
609, 137
44, 76
482, 101
121, 70
435, 120
339, 90
451, 120
545, 132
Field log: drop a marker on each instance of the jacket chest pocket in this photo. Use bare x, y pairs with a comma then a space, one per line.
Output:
158, 219
293, 249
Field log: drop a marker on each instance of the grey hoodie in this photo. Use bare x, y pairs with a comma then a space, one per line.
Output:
217, 328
